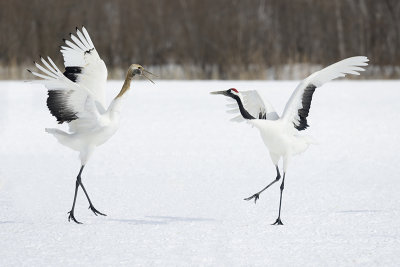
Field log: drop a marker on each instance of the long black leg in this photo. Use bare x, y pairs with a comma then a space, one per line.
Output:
71, 213
256, 196
95, 211
278, 221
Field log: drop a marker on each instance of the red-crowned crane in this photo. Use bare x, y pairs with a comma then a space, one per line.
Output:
281, 134
77, 97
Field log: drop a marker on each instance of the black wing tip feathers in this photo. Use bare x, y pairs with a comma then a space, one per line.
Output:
57, 102
72, 73
301, 126
29, 70
89, 51
306, 103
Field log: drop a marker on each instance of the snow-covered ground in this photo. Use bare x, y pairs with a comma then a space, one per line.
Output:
173, 178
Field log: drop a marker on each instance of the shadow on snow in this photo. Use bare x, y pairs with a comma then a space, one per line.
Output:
161, 220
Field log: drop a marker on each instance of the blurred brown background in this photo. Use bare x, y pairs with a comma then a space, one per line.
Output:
207, 39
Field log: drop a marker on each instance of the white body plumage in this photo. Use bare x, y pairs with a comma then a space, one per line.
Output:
84, 139
77, 97
281, 134
281, 139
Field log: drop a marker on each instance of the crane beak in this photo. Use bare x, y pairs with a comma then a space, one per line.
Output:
147, 77
219, 93
146, 71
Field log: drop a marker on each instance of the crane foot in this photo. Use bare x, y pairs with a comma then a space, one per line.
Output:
255, 196
95, 211
278, 222
72, 217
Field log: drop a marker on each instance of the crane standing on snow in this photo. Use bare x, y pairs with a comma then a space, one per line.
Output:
280, 134
77, 97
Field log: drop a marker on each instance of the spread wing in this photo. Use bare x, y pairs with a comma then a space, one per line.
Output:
79, 92
83, 64
254, 105
298, 106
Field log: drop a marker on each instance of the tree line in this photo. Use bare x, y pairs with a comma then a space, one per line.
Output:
206, 39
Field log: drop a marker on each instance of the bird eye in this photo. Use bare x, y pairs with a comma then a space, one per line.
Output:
137, 71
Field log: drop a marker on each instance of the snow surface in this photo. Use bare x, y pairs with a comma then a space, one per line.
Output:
173, 178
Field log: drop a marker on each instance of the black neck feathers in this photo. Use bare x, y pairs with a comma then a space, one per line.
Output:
242, 110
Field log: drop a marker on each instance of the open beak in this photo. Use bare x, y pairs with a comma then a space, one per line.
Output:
144, 72
219, 93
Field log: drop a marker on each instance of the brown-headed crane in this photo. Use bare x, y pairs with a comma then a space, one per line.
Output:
77, 97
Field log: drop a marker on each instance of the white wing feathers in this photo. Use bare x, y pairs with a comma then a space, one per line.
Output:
254, 105
89, 119
350, 65
298, 106
79, 93
83, 64
69, 101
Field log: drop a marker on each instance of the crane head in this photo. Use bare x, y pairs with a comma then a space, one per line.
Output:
136, 69
232, 92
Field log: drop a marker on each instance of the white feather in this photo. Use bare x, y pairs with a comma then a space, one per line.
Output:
340, 69
83, 39
238, 118
254, 104
87, 37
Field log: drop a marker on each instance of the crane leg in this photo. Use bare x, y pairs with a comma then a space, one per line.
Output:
71, 212
91, 207
278, 221
256, 196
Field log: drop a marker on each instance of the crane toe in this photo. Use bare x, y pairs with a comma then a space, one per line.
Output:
255, 196
95, 211
278, 222
72, 217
